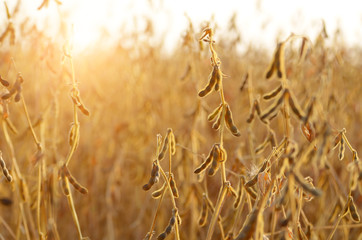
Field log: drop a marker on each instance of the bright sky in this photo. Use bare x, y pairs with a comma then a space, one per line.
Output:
259, 21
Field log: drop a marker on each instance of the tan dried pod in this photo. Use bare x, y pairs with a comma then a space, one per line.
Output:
75, 96
271, 69
170, 226
164, 148
204, 212
307, 186
336, 210
251, 116
215, 162
309, 111
215, 113
9, 94
173, 186
294, 105
249, 226
65, 187
353, 210
230, 123
341, 149
4, 82
239, 193
273, 93
154, 176
77, 186
252, 181
5, 171
172, 143
277, 63
218, 77
274, 107
279, 60
73, 135
84, 110
206, 163
210, 85
246, 76
157, 194
217, 123
254, 108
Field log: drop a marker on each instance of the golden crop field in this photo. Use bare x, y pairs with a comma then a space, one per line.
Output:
204, 142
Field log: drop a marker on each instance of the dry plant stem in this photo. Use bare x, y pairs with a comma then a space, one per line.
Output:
169, 157
150, 233
71, 152
273, 222
39, 197
347, 142
225, 183
17, 177
291, 183
300, 202
239, 211
76, 139
348, 226
212, 210
37, 142
12, 234
285, 85
75, 114
72, 209
251, 99
172, 198
156, 214
192, 178
21, 205
340, 217
218, 205
30, 124
11, 150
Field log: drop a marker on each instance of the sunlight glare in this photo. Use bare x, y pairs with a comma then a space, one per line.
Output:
85, 29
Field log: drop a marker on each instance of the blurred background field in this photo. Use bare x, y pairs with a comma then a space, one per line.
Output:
136, 84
